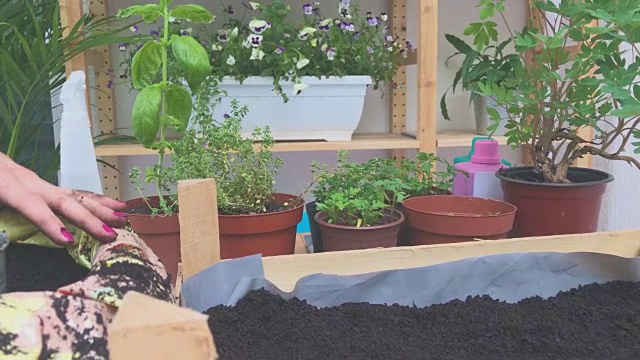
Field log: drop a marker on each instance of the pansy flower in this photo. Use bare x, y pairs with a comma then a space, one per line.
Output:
373, 21
123, 47
187, 31
304, 33
302, 62
325, 24
298, 87
257, 54
134, 28
231, 60
154, 33
384, 16
255, 40
258, 26
223, 36
110, 84
308, 9
331, 53
279, 50
254, 5
216, 47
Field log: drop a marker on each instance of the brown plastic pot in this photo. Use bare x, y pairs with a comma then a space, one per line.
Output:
404, 237
267, 234
442, 219
160, 233
341, 238
554, 209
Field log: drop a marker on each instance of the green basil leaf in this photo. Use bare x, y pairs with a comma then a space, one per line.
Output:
146, 64
145, 119
179, 104
149, 13
192, 13
193, 59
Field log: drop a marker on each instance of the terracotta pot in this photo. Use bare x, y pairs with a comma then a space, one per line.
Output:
441, 219
160, 233
4, 242
554, 209
316, 234
340, 237
267, 234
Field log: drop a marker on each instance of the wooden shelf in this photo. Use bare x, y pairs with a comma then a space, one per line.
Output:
359, 142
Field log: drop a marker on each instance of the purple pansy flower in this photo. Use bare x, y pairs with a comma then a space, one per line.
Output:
279, 50
222, 36
331, 54
134, 28
110, 84
373, 21
255, 40
154, 33
123, 47
308, 9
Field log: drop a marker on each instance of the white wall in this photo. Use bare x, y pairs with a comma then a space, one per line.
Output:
622, 195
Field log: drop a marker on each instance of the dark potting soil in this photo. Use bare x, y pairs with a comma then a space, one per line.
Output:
591, 322
36, 268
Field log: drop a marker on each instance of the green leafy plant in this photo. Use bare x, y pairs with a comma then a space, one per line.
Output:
485, 60
560, 94
356, 194
34, 49
419, 176
164, 105
244, 168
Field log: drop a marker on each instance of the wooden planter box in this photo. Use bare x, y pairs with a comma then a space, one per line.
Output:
145, 327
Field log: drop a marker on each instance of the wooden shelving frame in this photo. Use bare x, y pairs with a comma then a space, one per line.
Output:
397, 140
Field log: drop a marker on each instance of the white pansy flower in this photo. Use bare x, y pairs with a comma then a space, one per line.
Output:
257, 54
231, 60
234, 32
254, 5
258, 26
298, 87
302, 63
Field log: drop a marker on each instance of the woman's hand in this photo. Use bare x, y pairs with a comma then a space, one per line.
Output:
40, 201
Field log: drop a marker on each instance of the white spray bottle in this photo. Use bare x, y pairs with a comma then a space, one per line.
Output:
78, 166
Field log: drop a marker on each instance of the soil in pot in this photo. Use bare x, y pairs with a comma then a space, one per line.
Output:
314, 228
37, 268
340, 237
591, 322
441, 219
269, 234
160, 233
554, 209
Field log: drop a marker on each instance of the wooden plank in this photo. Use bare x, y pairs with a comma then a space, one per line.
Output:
427, 74
399, 84
199, 231
359, 142
285, 271
105, 105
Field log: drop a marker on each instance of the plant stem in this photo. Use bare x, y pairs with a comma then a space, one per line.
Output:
163, 110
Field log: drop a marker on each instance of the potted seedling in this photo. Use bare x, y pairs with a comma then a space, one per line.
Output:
561, 93
357, 205
484, 61
253, 217
162, 105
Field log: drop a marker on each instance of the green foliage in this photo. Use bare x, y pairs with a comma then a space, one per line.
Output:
164, 105
486, 60
263, 41
244, 172
33, 54
359, 194
559, 95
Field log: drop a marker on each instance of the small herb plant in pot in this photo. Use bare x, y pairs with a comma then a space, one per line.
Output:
560, 94
253, 217
160, 106
484, 61
357, 206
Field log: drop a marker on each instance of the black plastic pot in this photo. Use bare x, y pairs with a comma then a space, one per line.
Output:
4, 242
316, 234
554, 209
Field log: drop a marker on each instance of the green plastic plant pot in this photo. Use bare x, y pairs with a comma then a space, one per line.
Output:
4, 242
467, 158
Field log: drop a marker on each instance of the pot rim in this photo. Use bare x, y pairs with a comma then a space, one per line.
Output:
226, 216
607, 177
400, 219
470, 216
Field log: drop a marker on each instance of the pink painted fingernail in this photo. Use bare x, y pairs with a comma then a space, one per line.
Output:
109, 230
67, 235
120, 214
